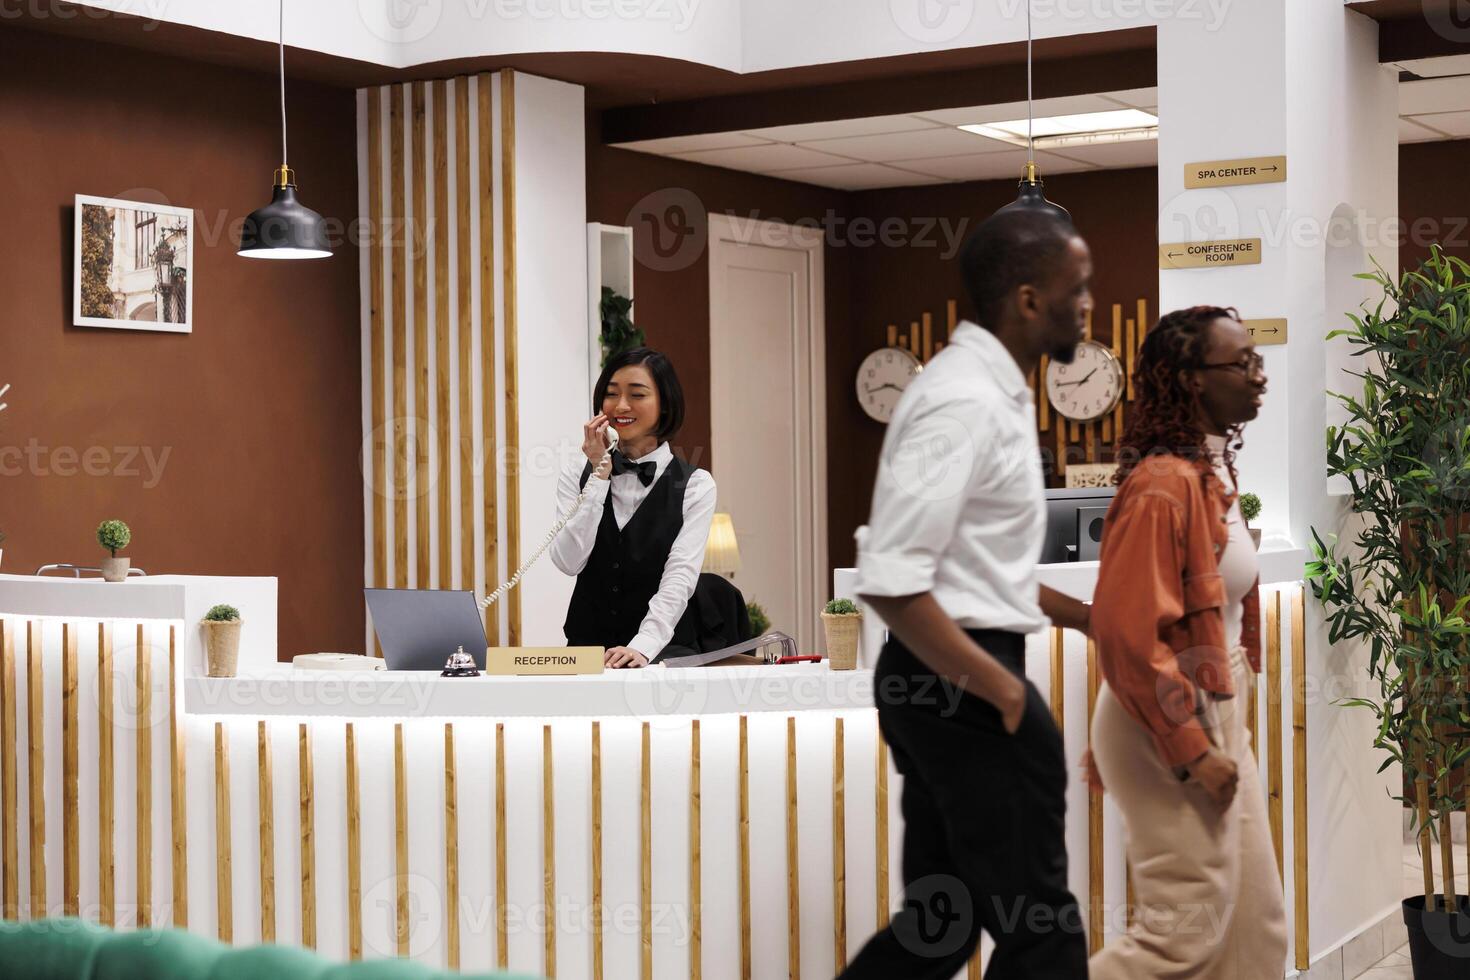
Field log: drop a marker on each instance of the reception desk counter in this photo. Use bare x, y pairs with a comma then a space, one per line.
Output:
667, 822
638, 823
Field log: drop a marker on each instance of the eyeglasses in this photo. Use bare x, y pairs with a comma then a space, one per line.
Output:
1251, 365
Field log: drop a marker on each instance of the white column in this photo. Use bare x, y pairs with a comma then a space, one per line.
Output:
1303, 80
551, 291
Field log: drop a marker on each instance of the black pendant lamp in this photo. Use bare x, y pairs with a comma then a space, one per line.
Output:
285, 228
1031, 199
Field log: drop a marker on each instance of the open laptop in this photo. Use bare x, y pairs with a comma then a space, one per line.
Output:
419, 628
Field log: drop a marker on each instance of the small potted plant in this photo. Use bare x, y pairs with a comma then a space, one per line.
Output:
1250, 509
843, 623
114, 535
760, 623
221, 640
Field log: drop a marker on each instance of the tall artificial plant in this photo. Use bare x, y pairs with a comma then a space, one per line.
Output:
618, 332
1402, 583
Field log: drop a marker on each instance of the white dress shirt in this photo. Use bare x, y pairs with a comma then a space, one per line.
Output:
959, 507
573, 546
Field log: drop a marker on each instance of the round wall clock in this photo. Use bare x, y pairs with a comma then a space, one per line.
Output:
882, 377
1089, 387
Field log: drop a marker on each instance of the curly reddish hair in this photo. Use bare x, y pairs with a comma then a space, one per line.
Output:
1163, 417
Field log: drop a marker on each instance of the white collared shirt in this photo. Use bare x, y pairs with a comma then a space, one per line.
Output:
573, 546
959, 507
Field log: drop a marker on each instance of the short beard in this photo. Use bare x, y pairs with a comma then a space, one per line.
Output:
1065, 355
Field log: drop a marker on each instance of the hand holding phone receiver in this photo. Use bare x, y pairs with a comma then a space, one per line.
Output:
612, 443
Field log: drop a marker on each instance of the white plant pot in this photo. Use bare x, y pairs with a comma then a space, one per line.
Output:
115, 569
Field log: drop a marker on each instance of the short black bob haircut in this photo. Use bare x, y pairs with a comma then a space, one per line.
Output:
1008, 250
670, 392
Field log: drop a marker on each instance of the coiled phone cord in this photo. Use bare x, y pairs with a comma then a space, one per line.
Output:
515, 579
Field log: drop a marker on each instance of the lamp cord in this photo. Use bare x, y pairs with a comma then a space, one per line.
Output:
281, 44
1030, 145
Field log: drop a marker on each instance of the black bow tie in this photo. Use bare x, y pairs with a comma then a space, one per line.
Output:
622, 464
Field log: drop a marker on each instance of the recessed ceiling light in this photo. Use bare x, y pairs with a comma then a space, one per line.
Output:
1079, 129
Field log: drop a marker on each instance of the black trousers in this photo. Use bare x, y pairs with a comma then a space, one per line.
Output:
984, 815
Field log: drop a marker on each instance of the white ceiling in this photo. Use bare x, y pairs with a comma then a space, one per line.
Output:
926, 148
906, 150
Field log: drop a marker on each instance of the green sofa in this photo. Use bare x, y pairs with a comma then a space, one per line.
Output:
71, 949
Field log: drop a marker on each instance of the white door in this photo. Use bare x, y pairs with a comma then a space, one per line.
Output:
767, 421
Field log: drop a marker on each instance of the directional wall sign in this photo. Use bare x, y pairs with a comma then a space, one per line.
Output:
1267, 332
1210, 255
1226, 173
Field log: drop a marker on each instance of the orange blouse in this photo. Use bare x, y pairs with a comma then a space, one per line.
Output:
1157, 612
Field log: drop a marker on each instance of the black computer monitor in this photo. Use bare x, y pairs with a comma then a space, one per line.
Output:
1074, 523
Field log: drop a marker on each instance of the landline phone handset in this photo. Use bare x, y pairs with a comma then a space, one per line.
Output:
612, 444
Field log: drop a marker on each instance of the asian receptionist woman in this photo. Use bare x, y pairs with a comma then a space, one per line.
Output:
637, 544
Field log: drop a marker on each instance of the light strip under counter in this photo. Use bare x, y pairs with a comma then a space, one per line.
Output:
648, 692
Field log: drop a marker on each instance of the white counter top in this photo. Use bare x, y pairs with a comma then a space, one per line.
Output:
179, 601
652, 691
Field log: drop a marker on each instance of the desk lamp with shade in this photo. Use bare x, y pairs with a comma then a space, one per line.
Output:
721, 551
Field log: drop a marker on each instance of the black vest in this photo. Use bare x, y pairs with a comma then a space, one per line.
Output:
624, 570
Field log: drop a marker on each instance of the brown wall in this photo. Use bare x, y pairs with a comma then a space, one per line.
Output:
1434, 200
671, 269
258, 410
1114, 210
870, 281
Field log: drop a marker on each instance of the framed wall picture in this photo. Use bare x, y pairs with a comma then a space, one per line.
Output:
133, 265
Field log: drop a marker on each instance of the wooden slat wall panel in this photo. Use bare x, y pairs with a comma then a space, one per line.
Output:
597, 849
793, 876
10, 847
400, 844
143, 688
880, 836
266, 796
511, 382
354, 851
489, 435
442, 486
36, 765
1300, 847
696, 884
307, 820
71, 842
418, 242
502, 953
106, 841
431, 332
377, 411
451, 850
1095, 904
645, 857
1058, 680
744, 844
839, 849
548, 847
178, 804
223, 873
466, 332
1274, 788
399, 257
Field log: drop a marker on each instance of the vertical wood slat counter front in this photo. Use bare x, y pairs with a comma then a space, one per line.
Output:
542, 728
377, 845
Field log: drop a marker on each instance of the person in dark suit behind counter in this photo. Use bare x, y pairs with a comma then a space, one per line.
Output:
637, 544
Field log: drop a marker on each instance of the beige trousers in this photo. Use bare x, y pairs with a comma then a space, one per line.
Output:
1208, 894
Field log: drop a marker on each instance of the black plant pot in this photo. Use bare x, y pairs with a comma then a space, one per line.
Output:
1439, 942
